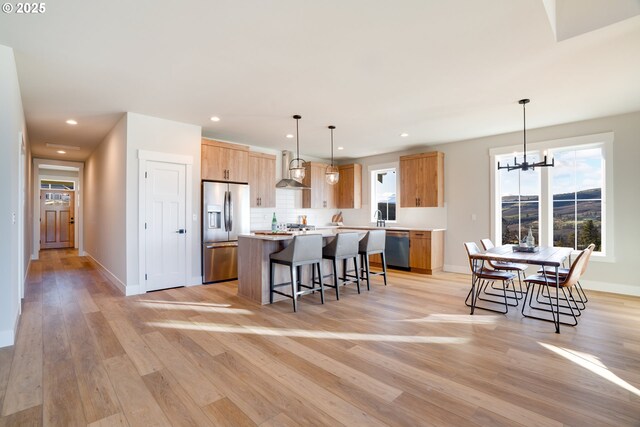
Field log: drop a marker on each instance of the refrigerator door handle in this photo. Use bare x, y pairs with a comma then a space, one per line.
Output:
225, 207
230, 212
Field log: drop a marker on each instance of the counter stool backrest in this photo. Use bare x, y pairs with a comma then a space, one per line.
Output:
302, 248
373, 241
344, 245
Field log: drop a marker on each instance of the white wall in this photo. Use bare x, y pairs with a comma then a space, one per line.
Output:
104, 203
165, 136
12, 126
467, 191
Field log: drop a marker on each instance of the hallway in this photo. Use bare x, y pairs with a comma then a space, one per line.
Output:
407, 354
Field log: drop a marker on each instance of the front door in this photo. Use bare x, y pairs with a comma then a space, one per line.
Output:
165, 234
56, 219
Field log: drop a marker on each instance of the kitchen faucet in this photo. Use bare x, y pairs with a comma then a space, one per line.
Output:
378, 216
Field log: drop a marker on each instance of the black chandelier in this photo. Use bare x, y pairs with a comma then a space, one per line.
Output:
526, 165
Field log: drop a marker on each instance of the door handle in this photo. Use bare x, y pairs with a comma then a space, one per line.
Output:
230, 212
181, 231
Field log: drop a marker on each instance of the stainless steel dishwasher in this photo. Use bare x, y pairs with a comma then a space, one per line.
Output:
397, 249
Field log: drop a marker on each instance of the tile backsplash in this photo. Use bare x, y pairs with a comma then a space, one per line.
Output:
288, 209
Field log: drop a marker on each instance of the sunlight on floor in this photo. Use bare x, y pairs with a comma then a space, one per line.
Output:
203, 304
202, 308
302, 333
593, 364
456, 318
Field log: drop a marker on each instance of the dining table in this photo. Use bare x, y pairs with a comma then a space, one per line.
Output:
550, 257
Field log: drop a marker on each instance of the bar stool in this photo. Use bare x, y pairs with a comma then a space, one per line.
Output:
372, 243
303, 250
343, 247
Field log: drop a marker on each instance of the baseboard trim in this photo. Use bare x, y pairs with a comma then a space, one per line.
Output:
457, 269
614, 288
8, 336
195, 281
110, 276
134, 290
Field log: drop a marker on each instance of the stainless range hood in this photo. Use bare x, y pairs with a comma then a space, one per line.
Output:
286, 182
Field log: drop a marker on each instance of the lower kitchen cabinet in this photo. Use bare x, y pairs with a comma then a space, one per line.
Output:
426, 251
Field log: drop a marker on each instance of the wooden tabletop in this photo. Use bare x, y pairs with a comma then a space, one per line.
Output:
546, 256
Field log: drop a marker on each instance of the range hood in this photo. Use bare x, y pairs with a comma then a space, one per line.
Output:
286, 182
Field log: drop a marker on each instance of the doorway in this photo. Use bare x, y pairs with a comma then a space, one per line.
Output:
57, 219
65, 176
165, 212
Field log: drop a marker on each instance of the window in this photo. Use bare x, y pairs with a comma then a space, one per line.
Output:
564, 205
520, 200
56, 185
576, 183
383, 194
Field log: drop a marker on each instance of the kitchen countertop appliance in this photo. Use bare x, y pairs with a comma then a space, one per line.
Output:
225, 215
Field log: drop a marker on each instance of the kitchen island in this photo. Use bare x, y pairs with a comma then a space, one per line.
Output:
253, 262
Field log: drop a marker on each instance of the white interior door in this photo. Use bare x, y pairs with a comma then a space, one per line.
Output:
165, 234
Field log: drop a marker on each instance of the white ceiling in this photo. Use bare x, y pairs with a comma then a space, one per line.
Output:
439, 70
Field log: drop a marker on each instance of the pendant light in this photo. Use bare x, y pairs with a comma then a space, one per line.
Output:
525, 165
297, 165
332, 175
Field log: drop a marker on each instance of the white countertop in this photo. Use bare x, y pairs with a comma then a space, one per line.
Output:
390, 228
277, 237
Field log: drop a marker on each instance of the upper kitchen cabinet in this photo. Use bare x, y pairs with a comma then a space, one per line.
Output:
320, 194
349, 187
222, 161
262, 178
422, 180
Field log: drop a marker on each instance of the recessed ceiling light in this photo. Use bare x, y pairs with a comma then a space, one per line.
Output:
404, 134
289, 135
340, 148
72, 122
61, 152
215, 119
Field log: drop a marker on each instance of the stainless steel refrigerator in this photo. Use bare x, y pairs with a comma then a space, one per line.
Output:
225, 215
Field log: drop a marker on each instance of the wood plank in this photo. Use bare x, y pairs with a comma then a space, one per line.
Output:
6, 357
24, 388
97, 395
225, 413
104, 337
199, 388
138, 351
138, 404
60, 384
174, 400
115, 420
30, 417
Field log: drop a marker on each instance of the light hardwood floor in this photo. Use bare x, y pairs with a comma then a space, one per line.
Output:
407, 354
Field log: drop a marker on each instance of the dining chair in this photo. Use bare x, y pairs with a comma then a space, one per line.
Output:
519, 269
484, 277
548, 281
303, 250
565, 271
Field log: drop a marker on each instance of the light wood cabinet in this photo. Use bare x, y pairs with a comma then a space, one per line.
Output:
422, 180
320, 195
222, 161
426, 251
262, 176
349, 188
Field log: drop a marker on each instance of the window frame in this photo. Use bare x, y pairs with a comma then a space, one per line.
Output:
602, 140
378, 168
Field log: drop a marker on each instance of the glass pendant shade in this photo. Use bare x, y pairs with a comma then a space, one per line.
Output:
331, 175
297, 165
297, 171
